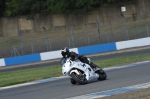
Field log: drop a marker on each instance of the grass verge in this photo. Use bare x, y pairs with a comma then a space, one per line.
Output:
27, 75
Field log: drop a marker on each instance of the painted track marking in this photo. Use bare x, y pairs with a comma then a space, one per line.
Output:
113, 91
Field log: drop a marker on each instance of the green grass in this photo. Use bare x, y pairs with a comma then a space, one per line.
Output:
27, 75
121, 60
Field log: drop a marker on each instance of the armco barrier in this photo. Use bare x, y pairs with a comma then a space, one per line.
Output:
22, 59
2, 62
133, 43
81, 50
97, 48
54, 54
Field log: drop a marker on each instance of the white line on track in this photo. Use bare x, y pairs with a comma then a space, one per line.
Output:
113, 91
127, 66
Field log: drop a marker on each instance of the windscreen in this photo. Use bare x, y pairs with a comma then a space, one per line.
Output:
63, 61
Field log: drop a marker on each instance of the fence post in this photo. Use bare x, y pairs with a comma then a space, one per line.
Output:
137, 34
32, 47
124, 21
1, 29
72, 35
86, 34
89, 40
47, 42
15, 52
107, 37
69, 42
50, 45
128, 34
98, 30
148, 31
22, 44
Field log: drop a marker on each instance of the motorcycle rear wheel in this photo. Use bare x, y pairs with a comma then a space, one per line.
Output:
102, 75
78, 78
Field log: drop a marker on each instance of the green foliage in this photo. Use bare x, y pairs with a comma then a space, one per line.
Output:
72, 6
31, 7
24, 7
2, 7
117, 3
12, 7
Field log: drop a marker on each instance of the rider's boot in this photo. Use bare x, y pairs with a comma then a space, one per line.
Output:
94, 67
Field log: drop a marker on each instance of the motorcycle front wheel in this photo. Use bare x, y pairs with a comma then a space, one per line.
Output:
73, 81
79, 78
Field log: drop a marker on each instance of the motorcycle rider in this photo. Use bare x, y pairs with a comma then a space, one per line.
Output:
73, 56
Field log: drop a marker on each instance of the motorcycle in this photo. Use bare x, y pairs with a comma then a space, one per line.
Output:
81, 73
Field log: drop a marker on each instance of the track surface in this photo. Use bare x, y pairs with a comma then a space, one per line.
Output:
63, 89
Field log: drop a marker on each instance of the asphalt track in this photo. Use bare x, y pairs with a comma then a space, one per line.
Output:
62, 89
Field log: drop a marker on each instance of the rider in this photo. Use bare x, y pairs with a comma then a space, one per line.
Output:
73, 56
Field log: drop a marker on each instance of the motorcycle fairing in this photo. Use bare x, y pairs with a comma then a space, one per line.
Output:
69, 67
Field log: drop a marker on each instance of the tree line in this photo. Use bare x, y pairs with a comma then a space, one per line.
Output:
32, 7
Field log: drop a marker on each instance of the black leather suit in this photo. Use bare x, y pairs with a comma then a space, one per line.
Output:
73, 56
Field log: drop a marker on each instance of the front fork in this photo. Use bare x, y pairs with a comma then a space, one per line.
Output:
79, 73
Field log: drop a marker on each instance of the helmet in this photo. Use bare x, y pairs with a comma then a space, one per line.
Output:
65, 51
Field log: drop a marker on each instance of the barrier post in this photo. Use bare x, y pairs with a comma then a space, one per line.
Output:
148, 31
98, 30
72, 35
89, 40
128, 34
107, 37
32, 47
123, 9
22, 45
50, 45
47, 42
69, 43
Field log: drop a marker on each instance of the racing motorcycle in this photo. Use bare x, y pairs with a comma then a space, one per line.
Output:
81, 73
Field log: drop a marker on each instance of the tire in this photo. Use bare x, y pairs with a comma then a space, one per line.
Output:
102, 75
72, 81
78, 79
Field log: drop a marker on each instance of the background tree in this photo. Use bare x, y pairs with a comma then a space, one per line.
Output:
25, 7
2, 7
31, 7
72, 6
